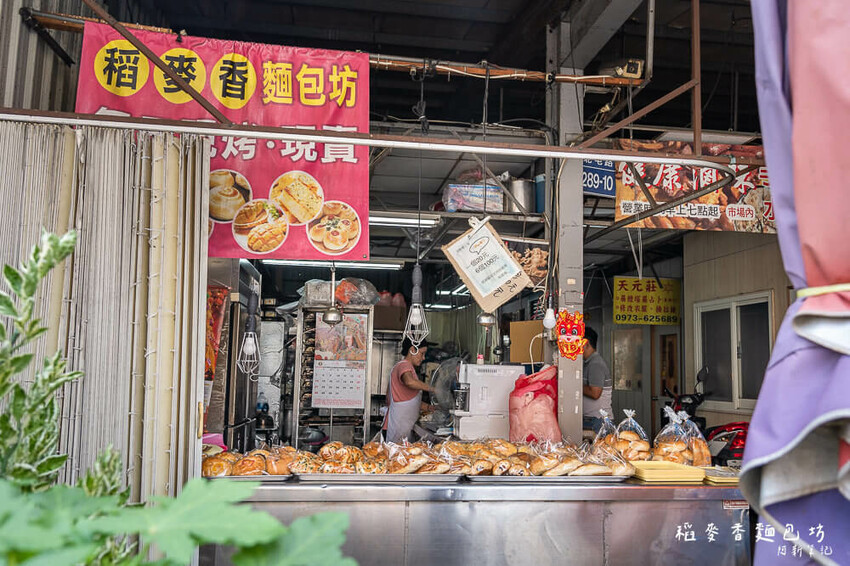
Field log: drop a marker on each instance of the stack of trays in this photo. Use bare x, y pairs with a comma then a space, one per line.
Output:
721, 475
668, 472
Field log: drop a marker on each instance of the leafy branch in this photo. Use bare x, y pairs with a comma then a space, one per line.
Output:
43, 524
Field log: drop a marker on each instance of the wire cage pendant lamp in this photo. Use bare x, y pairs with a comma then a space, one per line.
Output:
416, 329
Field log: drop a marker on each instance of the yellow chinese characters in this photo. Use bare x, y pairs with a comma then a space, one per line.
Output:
311, 85
344, 86
233, 80
277, 82
189, 66
120, 68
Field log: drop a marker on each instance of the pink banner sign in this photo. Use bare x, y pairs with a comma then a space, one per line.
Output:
268, 199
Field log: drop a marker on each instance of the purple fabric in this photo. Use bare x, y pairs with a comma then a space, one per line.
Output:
774, 96
805, 384
828, 509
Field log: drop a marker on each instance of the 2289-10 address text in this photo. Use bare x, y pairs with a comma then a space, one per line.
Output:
647, 318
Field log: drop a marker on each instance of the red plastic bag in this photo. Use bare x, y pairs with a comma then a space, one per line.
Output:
533, 407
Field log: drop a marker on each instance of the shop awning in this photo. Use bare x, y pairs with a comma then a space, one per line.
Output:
797, 458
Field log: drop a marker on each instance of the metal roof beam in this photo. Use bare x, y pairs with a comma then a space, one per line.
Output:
592, 25
440, 10
364, 36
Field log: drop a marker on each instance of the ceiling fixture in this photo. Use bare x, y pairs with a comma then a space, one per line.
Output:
486, 319
416, 329
332, 316
404, 220
383, 264
731, 138
248, 360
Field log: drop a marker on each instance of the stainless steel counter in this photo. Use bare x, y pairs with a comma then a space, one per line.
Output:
461, 524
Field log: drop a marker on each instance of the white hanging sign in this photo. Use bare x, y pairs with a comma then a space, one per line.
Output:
485, 265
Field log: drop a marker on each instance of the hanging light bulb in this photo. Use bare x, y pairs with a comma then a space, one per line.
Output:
549, 319
416, 328
248, 360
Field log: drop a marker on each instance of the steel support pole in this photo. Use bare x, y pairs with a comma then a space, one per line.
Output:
696, 75
566, 106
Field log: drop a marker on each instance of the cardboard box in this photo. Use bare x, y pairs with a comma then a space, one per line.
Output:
389, 318
522, 332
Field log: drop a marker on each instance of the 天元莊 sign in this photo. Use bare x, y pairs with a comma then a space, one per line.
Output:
268, 199
647, 301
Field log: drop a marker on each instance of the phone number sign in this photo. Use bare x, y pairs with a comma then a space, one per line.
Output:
598, 178
647, 301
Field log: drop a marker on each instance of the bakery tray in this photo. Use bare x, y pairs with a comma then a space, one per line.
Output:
405, 479
547, 480
263, 478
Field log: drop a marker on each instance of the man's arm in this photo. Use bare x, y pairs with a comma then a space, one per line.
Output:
595, 378
591, 391
410, 380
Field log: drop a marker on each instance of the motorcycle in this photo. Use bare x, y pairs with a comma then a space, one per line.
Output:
690, 402
725, 442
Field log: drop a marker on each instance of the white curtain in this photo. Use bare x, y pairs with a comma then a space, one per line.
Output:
129, 308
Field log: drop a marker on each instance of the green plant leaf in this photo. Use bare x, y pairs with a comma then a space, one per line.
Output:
13, 278
7, 307
51, 464
205, 512
68, 556
19, 363
18, 405
309, 541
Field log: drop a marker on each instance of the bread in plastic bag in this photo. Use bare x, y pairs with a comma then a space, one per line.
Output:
671, 443
533, 407
696, 441
632, 441
607, 433
356, 291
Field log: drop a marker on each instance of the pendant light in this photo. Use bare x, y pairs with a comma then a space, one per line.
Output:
248, 360
416, 329
332, 316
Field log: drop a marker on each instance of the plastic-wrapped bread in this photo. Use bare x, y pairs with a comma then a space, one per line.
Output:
544, 462
216, 467
278, 465
250, 466
402, 463
501, 467
502, 447
373, 449
371, 466
482, 468
305, 463
566, 465
328, 451
591, 470
231, 457
434, 467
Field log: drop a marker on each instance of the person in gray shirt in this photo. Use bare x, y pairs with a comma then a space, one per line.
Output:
597, 385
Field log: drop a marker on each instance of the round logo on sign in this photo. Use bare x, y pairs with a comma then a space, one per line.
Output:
120, 68
233, 80
188, 65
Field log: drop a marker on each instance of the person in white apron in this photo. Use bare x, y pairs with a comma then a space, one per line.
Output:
404, 396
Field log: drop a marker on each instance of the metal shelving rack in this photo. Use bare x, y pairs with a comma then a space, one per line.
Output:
306, 334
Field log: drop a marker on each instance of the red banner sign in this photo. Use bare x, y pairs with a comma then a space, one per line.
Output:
268, 199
